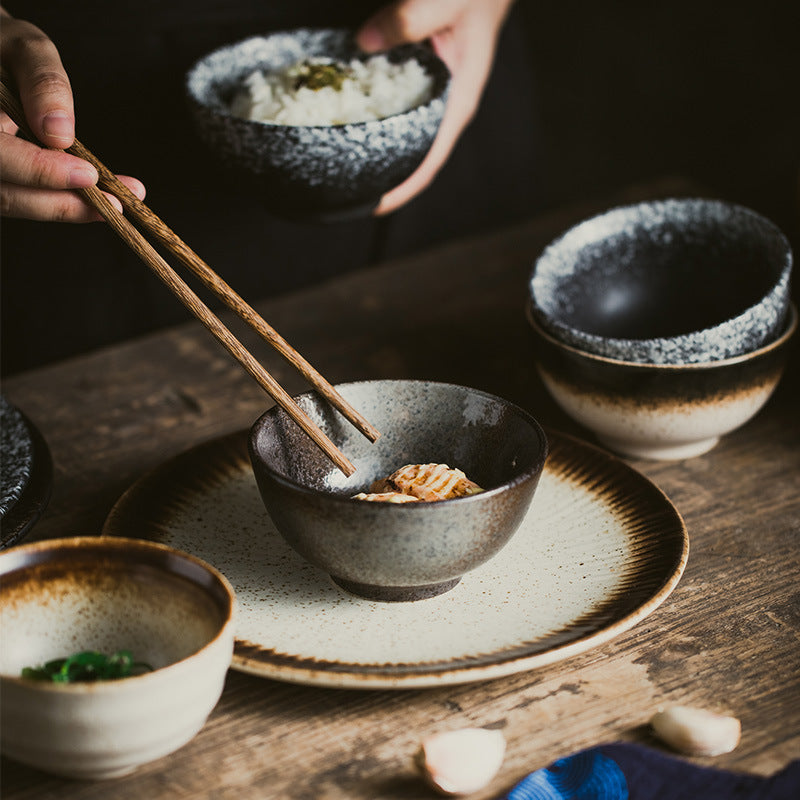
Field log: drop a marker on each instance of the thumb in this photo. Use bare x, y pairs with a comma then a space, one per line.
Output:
44, 88
406, 21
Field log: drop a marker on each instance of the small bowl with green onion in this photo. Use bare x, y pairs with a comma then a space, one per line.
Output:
114, 652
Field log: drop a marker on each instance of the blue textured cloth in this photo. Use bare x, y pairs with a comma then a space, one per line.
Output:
633, 772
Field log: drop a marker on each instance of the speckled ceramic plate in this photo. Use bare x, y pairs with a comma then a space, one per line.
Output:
25, 474
600, 548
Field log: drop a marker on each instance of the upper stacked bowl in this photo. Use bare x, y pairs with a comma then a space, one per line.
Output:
666, 282
320, 171
664, 325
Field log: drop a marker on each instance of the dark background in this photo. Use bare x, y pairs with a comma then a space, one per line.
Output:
584, 98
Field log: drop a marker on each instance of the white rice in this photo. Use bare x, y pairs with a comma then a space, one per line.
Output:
373, 89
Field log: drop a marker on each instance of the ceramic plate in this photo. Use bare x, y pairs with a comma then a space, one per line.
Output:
600, 548
26, 473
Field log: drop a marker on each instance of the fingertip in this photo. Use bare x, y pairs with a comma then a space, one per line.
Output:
114, 201
396, 198
136, 186
371, 39
82, 176
386, 206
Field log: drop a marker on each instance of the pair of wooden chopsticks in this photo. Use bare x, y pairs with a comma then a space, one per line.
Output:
138, 211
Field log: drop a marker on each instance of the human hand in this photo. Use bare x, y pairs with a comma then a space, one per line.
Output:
464, 34
33, 179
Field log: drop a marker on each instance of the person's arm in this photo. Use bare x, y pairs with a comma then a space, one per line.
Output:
464, 33
33, 179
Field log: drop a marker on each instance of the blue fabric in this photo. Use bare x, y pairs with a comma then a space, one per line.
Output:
589, 775
634, 772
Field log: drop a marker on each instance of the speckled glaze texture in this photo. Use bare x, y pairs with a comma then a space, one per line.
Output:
63, 596
17, 455
26, 474
598, 550
325, 171
660, 411
413, 550
678, 281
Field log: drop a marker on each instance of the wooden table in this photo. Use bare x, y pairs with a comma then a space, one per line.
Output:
728, 637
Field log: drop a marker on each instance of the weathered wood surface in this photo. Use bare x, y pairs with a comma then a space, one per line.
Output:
728, 637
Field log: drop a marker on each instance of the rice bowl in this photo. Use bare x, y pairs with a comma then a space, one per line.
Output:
322, 172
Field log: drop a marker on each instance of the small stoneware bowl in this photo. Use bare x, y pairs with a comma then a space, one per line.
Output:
666, 282
65, 596
312, 171
407, 551
660, 411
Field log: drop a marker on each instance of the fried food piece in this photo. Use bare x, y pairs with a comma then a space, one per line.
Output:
428, 482
386, 497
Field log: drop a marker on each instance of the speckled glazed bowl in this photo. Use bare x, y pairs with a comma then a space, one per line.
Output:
64, 596
327, 171
660, 411
26, 474
406, 551
666, 282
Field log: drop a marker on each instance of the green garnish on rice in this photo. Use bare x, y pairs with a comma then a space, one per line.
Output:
315, 76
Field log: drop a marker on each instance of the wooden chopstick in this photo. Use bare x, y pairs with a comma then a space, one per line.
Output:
151, 222
164, 234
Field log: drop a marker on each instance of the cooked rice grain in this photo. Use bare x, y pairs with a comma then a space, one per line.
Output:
371, 89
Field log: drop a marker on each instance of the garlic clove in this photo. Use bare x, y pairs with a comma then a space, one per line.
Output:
461, 761
696, 731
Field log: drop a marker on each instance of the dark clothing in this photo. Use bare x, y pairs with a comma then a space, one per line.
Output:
72, 288
584, 98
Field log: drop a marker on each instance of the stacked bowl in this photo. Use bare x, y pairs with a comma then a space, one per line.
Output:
664, 325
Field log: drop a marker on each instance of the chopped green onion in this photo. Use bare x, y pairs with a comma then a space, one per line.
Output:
87, 666
316, 76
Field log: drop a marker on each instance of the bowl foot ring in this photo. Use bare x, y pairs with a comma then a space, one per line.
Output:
660, 451
395, 594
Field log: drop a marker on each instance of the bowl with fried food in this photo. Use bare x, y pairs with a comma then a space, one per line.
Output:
442, 490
